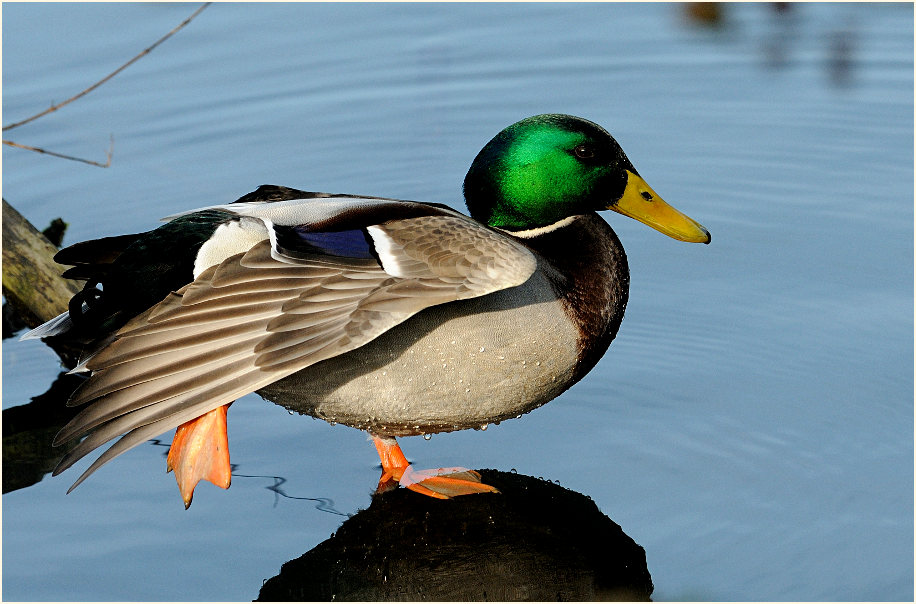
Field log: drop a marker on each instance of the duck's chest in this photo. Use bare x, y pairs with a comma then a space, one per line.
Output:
451, 367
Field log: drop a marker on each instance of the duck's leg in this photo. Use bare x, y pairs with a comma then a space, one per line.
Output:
200, 451
443, 483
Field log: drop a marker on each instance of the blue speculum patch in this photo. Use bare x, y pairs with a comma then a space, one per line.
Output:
347, 244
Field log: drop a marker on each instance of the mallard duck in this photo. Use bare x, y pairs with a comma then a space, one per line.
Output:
395, 317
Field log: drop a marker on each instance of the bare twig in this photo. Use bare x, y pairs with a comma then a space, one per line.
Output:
61, 155
57, 106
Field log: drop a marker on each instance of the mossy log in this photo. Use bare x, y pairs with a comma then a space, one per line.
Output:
33, 284
32, 281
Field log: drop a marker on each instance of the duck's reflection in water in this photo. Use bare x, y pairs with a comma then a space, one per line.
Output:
533, 541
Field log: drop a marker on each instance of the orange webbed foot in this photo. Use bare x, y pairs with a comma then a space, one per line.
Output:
200, 451
442, 483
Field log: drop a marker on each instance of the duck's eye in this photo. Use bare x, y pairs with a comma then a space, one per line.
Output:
584, 152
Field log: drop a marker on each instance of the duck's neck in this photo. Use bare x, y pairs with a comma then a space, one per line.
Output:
588, 269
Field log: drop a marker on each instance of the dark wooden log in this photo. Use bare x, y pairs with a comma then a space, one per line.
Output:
533, 541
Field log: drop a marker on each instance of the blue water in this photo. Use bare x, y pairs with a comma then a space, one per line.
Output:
752, 425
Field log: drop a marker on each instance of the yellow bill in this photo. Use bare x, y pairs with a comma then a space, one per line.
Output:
640, 202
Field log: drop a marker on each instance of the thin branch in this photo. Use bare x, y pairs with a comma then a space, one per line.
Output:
61, 155
53, 108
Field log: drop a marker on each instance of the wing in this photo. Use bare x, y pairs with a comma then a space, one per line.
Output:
292, 299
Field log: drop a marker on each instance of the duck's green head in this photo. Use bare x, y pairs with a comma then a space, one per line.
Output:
548, 167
